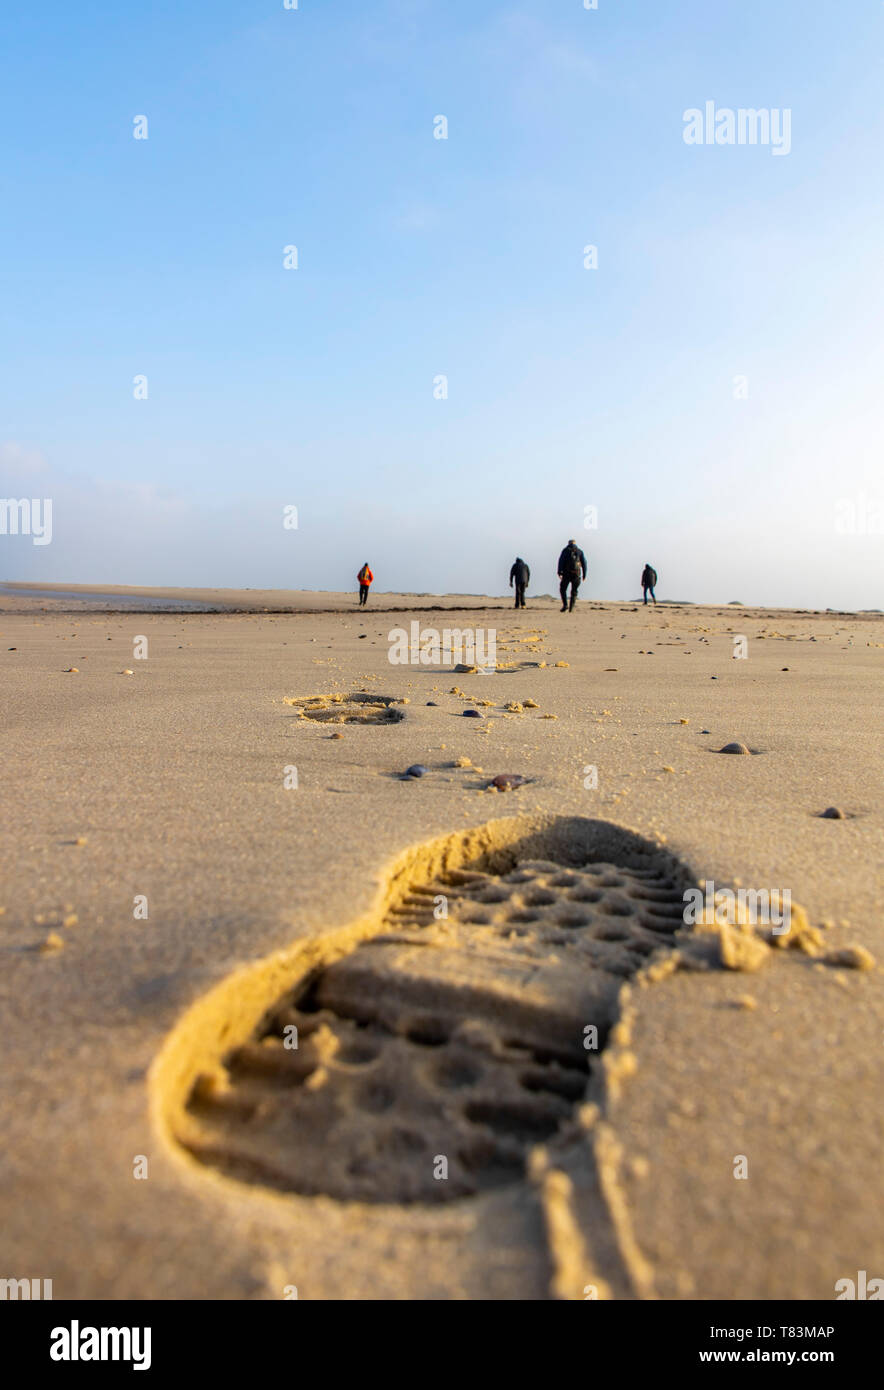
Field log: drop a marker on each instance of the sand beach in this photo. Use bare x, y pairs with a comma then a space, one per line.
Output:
519, 1072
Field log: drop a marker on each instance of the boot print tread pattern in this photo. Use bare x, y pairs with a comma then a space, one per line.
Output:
458, 1037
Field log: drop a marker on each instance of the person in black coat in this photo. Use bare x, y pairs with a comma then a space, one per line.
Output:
572, 562
649, 580
520, 575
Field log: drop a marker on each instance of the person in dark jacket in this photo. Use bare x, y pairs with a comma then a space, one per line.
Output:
572, 562
649, 580
520, 575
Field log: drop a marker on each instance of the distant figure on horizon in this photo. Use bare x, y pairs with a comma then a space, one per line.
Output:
649, 580
364, 577
571, 561
520, 575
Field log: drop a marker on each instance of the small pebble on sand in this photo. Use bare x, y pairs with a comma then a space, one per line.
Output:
506, 781
473, 714
832, 813
416, 770
734, 748
854, 957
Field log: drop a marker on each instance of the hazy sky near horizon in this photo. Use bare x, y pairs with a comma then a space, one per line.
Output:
569, 388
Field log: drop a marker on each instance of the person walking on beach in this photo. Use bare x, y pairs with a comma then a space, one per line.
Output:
571, 562
649, 580
364, 577
520, 575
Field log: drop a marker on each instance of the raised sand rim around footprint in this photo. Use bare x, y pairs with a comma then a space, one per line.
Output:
422, 1036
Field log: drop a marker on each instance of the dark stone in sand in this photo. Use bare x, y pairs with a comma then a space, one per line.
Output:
416, 770
734, 747
473, 714
505, 781
832, 813
432, 703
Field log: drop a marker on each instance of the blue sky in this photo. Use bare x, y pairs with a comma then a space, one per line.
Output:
567, 388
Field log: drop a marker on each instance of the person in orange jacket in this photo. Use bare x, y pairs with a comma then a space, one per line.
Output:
364, 577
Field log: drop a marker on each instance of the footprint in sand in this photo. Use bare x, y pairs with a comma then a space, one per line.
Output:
349, 709
421, 1036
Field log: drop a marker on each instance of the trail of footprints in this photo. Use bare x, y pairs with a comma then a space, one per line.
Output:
458, 1036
